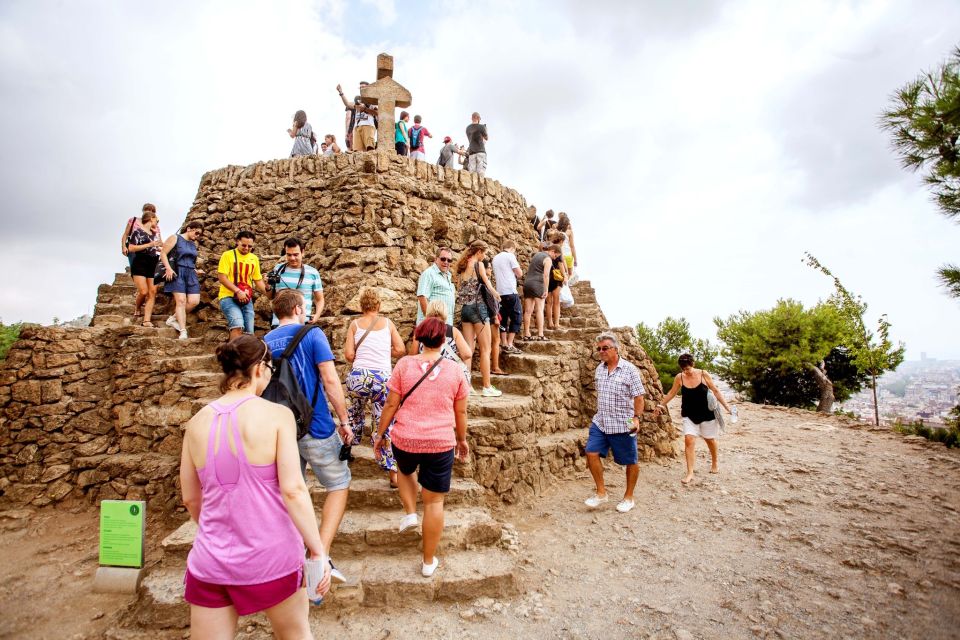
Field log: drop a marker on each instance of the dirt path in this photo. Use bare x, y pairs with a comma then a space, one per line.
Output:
813, 529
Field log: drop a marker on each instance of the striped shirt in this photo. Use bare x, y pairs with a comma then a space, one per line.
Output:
436, 285
290, 278
615, 393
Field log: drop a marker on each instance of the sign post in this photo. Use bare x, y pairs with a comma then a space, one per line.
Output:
122, 530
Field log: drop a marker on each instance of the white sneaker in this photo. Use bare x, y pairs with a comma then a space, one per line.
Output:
595, 501
473, 391
491, 392
183, 335
625, 505
172, 322
408, 522
428, 569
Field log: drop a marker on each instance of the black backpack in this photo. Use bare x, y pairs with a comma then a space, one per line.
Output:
284, 388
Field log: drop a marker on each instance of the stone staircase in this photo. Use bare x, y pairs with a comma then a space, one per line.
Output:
383, 566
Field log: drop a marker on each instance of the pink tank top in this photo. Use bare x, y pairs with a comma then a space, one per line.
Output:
245, 535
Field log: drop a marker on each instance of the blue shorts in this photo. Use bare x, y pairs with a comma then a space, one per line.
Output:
624, 445
239, 316
475, 313
185, 282
323, 456
511, 313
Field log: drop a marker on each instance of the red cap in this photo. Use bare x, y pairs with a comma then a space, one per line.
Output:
447, 139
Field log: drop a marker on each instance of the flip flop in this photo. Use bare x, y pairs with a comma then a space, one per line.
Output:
499, 373
147, 324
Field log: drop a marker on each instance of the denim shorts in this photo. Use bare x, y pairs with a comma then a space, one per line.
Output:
323, 456
185, 282
475, 313
511, 313
624, 445
239, 316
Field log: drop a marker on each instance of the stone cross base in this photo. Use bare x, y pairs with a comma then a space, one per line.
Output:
117, 580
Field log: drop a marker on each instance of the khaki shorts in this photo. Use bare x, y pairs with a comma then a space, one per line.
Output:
363, 138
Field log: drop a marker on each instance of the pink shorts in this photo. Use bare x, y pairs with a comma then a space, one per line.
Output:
246, 599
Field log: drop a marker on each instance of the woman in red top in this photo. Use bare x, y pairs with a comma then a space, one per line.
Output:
428, 398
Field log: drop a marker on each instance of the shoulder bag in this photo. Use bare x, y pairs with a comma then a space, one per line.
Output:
247, 289
356, 347
422, 378
488, 299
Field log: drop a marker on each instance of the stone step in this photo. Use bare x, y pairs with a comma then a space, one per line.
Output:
200, 380
504, 407
167, 343
581, 310
381, 580
577, 334
575, 321
536, 365
464, 527
516, 384
375, 493
111, 320
533, 468
546, 348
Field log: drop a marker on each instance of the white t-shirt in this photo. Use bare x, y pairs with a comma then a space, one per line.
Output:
362, 119
504, 264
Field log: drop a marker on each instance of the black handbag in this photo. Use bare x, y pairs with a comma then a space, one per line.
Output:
488, 298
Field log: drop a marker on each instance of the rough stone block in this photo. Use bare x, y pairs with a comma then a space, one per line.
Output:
27, 391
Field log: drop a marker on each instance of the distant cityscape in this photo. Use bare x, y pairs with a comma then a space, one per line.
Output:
925, 389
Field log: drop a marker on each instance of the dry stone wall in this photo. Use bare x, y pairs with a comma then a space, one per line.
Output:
97, 412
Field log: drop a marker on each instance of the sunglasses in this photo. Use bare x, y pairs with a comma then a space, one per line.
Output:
605, 348
445, 260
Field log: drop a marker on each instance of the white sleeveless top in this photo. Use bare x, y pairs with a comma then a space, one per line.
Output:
374, 353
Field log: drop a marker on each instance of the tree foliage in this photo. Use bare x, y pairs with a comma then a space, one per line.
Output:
668, 341
873, 352
769, 355
924, 122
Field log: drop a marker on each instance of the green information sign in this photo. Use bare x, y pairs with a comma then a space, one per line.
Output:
122, 528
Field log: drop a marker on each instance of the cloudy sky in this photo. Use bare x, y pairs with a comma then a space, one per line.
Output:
699, 147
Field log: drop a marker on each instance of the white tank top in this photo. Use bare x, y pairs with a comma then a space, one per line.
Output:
374, 353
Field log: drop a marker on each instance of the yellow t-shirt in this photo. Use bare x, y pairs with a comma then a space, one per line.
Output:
248, 270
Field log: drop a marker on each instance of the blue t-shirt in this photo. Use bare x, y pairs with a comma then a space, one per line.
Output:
312, 350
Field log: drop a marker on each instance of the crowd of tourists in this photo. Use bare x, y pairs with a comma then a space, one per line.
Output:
244, 456
360, 134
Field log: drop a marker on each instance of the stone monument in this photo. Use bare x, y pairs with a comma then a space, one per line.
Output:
387, 94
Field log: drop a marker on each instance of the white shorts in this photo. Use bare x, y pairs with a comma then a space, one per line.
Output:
708, 430
418, 155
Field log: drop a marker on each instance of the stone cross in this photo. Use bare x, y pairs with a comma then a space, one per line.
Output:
387, 94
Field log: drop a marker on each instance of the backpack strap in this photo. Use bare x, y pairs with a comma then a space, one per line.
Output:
301, 333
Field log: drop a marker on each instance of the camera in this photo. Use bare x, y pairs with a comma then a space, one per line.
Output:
273, 279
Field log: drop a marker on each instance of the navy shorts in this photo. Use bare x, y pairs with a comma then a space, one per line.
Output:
624, 445
436, 469
185, 282
475, 313
511, 313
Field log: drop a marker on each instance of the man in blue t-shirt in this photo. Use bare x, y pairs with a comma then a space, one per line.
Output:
313, 365
292, 273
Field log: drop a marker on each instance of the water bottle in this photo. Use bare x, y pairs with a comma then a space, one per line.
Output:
734, 414
314, 569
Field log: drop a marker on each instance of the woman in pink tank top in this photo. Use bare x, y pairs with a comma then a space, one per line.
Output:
241, 482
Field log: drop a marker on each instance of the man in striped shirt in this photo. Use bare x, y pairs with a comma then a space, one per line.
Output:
436, 283
294, 274
617, 421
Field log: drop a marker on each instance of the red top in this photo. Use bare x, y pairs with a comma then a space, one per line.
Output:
426, 421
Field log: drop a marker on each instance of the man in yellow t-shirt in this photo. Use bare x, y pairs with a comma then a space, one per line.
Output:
239, 273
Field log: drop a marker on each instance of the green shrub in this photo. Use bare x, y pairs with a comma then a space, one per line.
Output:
8, 335
949, 435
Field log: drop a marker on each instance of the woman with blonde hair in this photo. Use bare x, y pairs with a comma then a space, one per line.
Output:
370, 343
242, 484
455, 347
475, 318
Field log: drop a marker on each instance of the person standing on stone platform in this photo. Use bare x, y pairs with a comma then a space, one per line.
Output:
436, 283
238, 273
448, 154
144, 244
418, 133
292, 273
475, 315
183, 281
302, 133
428, 398
477, 151
332, 147
361, 122
616, 422
323, 445
535, 285
402, 137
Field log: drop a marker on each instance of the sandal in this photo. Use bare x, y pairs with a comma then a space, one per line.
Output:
499, 373
541, 338
147, 323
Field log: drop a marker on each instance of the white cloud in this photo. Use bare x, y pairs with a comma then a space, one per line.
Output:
700, 148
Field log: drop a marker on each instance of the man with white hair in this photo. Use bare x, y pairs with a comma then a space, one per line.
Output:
617, 421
